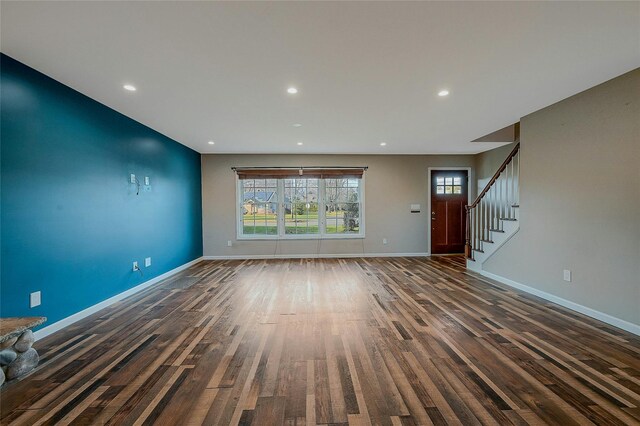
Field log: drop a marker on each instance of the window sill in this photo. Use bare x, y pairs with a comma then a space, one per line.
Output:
300, 237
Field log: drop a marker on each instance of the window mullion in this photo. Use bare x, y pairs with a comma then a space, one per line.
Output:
321, 208
239, 208
281, 209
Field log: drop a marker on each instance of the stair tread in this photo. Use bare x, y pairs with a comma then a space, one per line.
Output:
486, 241
516, 206
496, 230
478, 250
509, 219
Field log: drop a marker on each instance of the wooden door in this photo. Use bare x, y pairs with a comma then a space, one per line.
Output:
449, 196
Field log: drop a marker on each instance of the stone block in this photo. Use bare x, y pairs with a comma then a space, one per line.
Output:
7, 356
24, 362
25, 341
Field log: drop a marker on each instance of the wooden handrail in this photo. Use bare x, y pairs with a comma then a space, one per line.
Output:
495, 176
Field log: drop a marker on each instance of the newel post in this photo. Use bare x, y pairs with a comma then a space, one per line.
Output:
467, 245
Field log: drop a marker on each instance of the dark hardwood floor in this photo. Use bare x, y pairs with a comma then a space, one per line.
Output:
333, 341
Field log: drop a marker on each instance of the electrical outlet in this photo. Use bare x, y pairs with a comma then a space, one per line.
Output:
135, 267
133, 178
147, 262
35, 299
147, 181
229, 243
384, 241
566, 275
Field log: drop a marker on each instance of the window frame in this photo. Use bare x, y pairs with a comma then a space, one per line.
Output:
452, 186
322, 220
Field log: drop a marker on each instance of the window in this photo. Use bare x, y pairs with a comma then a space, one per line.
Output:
301, 215
300, 207
449, 185
259, 199
342, 206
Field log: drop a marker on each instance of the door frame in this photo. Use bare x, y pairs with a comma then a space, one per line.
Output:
469, 198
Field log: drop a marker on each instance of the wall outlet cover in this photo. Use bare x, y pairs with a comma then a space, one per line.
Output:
147, 262
35, 299
229, 243
566, 275
384, 241
133, 178
147, 181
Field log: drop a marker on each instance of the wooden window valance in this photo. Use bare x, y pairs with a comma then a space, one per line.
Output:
299, 172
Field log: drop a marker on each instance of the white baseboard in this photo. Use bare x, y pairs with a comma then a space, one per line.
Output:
311, 256
58, 325
609, 319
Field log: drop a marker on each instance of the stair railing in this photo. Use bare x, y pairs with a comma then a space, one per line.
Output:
495, 204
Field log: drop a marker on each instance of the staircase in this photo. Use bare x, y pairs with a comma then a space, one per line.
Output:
492, 219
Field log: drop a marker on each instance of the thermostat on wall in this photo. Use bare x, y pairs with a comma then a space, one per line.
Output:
415, 208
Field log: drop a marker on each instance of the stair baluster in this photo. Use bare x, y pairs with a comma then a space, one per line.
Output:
495, 204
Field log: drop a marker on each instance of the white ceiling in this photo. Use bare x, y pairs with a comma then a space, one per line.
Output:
366, 72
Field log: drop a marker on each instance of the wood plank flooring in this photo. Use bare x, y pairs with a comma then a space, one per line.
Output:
401, 341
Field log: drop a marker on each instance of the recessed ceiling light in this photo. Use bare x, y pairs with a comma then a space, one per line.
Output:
299, 143
297, 125
442, 93
129, 87
292, 90
383, 144
211, 142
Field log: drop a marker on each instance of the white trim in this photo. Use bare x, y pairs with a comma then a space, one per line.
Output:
469, 199
312, 256
59, 325
590, 312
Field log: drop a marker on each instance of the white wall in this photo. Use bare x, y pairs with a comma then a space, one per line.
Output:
392, 183
580, 201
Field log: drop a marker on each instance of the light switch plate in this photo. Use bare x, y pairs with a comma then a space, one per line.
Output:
415, 208
566, 275
133, 178
35, 299
147, 262
147, 181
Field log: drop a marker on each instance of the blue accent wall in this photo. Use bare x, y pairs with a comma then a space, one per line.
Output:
72, 223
